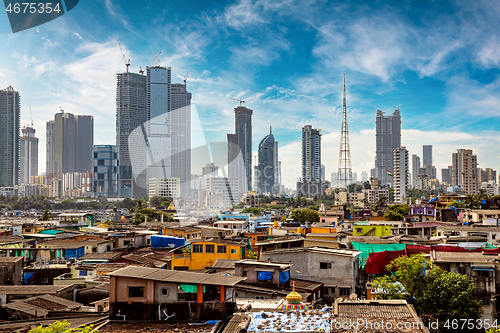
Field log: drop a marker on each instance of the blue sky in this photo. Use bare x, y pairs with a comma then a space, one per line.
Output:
440, 60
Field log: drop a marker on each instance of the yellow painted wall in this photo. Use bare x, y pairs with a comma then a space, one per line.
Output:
372, 230
201, 260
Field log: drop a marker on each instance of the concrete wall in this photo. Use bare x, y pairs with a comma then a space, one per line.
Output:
343, 273
172, 292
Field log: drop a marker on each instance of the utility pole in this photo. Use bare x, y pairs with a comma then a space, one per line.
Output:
345, 170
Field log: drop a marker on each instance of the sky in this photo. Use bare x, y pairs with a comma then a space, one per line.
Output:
438, 61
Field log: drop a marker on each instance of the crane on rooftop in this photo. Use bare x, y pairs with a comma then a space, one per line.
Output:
31, 117
185, 78
238, 100
62, 108
395, 106
127, 63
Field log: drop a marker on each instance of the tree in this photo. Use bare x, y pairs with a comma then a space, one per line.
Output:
151, 214
305, 215
154, 201
396, 212
252, 210
456, 204
438, 294
63, 327
46, 215
472, 202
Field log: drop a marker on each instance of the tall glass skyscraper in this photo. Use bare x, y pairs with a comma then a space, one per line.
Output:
267, 181
131, 113
311, 154
240, 149
10, 113
388, 137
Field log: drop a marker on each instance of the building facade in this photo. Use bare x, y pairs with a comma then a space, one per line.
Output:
130, 113
69, 143
427, 154
10, 114
228, 187
240, 149
164, 187
29, 154
105, 172
464, 171
180, 117
401, 176
267, 171
415, 166
388, 137
311, 154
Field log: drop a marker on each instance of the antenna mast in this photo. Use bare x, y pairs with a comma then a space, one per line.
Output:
345, 171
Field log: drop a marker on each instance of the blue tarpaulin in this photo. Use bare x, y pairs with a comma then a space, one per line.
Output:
27, 277
265, 276
166, 241
75, 253
433, 199
284, 276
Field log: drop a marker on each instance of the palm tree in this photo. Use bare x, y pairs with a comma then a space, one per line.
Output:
46, 215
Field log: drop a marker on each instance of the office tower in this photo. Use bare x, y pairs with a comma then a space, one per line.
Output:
159, 129
323, 172
415, 166
427, 155
268, 165
10, 113
131, 113
400, 174
105, 172
180, 119
388, 137
464, 170
430, 171
210, 170
311, 154
345, 171
69, 143
240, 149
279, 180
364, 176
29, 154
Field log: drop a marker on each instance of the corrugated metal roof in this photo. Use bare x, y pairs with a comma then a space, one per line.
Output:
176, 276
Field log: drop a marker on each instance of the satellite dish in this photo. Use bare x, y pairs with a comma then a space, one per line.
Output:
353, 296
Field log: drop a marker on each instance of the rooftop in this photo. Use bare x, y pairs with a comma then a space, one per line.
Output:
263, 263
31, 289
224, 263
101, 256
341, 252
164, 275
117, 327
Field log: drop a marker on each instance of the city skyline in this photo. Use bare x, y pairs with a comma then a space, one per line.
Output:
446, 79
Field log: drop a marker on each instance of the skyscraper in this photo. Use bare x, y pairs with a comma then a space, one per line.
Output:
388, 137
181, 135
241, 143
131, 113
69, 143
400, 174
159, 129
427, 154
105, 173
464, 170
268, 165
415, 166
210, 170
311, 154
10, 113
29, 154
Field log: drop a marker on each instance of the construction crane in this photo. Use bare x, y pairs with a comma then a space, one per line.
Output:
141, 70
185, 78
154, 60
62, 108
395, 106
31, 117
238, 100
127, 63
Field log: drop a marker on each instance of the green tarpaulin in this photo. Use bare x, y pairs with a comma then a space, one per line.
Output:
367, 248
190, 288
